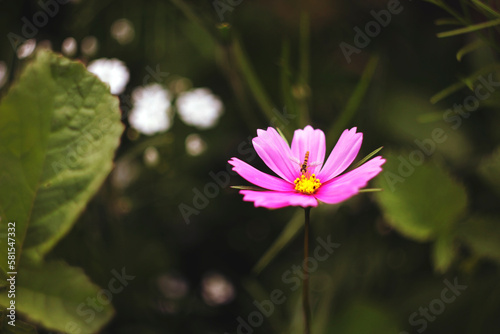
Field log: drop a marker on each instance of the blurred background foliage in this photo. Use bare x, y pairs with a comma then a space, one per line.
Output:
435, 222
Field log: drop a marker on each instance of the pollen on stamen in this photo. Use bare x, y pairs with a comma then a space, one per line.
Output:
307, 185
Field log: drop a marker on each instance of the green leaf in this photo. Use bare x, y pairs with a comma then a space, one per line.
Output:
447, 92
362, 161
247, 188
469, 29
450, 10
420, 201
370, 190
58, 297
283, 136
465, 82
486, 8
469, 48
59, 129
481, 234
444, 252
447, 21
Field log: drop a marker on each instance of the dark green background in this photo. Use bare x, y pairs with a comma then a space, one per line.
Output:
378, 277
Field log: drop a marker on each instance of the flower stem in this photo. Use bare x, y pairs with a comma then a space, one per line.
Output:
305, 287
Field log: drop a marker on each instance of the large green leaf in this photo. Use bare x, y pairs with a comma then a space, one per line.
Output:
61, 297
59, 129
421, 201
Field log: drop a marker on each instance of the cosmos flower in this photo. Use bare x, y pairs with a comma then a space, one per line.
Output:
199, 108
111, 71
151, 113
304, 177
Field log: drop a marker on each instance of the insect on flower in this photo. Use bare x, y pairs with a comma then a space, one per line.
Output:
305, 183
304, 165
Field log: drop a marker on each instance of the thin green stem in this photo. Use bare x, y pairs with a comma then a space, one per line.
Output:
355, 100
193, 17
470, 28
305, 287
253, 82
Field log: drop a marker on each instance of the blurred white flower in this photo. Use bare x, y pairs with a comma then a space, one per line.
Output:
151, 156
199, 108
151, 112
89, 45
111, 71
26, 49
173, 286
69, 46
195, 145
123, 31
217, 290
3, 73
124, 173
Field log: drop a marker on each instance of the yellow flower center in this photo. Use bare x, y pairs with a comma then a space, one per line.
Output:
307, 185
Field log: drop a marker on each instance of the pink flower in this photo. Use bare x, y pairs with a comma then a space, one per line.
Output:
304, 177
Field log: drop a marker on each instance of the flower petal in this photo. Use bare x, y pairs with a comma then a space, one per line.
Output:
342, 155
274, 151
347, 185
259, 178
276, 200
310, 140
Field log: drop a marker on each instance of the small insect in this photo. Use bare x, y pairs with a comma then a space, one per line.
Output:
304, 165
303, 168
